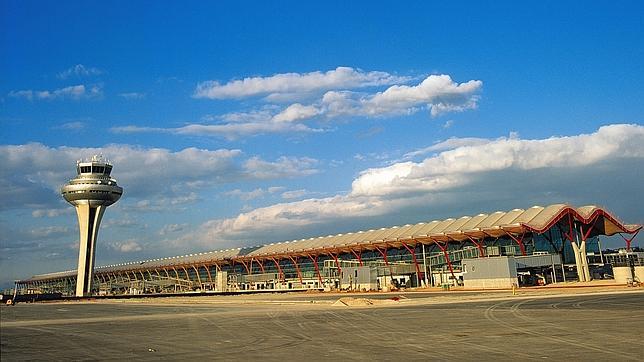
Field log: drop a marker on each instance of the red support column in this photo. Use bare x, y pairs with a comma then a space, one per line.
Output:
337, 263
585, 235
520, 242
187, 275
198, 276
357, 255
413, 257
479, 245
317, 269
209, 275
248, 270
279, 268
629, 241
383, 253
449, 262
261, 266
297, 268
570, 235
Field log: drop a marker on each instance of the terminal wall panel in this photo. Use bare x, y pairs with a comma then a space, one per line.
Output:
489, 273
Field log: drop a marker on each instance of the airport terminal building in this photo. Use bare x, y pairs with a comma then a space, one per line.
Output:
497, 250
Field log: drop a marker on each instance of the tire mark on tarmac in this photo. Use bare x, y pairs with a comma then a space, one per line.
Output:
489, 314
388, 331
72, 340
517, 312
379, 323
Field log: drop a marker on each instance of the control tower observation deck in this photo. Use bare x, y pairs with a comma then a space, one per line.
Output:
90, 192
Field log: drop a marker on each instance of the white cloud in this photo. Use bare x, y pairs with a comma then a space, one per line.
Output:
295, 194
247, 195
72, 126
75, 92
79, 70
236, 130
49, 231
38, 213
290, 83
439, 93
253, 194
172, 228
296, 112
229, 131
274, 189
33, 172
513, 171
289, 216
448, 144
454, 167
127, 246
132, 95
120, 223
262, 115
284, 167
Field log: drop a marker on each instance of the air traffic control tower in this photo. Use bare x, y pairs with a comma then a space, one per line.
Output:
90, 192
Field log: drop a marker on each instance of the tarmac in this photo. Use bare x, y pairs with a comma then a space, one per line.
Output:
568, 324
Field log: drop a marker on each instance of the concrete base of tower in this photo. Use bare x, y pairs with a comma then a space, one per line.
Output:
89, 220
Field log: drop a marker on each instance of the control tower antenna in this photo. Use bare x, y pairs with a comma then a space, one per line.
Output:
90, 193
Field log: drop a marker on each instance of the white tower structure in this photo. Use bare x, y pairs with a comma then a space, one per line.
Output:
90, 192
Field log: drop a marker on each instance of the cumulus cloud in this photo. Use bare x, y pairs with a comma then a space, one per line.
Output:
172, 228
127, 246
32, 173
453, 167
290, 216
38, 213
437, 93
75, 92
449, 144
296, 112
79, 70
501, 171
291, 83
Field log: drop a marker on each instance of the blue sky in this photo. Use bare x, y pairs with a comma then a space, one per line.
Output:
243, 123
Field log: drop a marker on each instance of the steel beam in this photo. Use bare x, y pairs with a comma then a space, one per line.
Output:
413, 257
